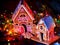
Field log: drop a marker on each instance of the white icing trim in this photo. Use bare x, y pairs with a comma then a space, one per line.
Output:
25, 10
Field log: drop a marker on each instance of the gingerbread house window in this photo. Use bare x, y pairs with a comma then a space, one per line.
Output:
28, 23
41, 27
16, 24
22, 16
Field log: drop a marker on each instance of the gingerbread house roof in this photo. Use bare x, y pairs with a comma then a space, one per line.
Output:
25, 7
48, 21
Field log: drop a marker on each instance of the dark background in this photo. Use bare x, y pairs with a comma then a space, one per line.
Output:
54, 5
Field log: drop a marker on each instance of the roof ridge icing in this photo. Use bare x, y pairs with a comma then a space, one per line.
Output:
25, 5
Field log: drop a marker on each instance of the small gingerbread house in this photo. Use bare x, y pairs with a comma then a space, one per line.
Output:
46, 26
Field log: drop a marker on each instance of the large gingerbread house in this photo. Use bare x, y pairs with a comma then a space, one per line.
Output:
23, 19
23, 15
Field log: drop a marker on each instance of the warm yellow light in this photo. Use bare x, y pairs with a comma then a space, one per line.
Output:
7, 21
10, 32
41, 14
55, 19
5, 26
1, 15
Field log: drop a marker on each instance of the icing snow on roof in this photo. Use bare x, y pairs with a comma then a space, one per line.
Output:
48, 21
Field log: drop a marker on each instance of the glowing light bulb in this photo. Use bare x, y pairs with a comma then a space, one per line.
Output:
1, 15
55, 19
10, 32
7, 30
8, 40
7, 21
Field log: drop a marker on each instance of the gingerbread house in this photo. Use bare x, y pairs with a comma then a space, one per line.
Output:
46, 28
23, 19
23, 16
